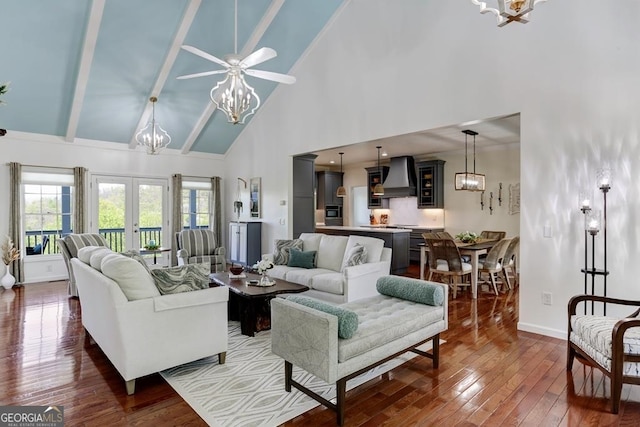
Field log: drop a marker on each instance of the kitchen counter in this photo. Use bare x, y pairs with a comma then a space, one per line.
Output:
373, 229
395, 238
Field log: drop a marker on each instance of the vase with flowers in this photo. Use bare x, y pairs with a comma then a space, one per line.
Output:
467, 237
262, 267
9, 254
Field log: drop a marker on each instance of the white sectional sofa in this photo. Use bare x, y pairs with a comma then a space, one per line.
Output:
332, 280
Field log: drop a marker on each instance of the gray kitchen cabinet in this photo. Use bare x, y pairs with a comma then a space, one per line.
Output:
327, 187
430, 184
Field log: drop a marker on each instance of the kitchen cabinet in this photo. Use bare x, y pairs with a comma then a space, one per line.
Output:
327, 187
376, 175
245, 242
430, 184
303, 204
416, 241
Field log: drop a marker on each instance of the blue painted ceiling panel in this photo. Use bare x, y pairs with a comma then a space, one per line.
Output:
42, 50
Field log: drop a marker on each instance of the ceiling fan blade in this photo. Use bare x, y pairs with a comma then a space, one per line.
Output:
204, 55
259, 56
268, 75
206, 73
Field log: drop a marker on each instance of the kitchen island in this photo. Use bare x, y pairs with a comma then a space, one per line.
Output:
395, 238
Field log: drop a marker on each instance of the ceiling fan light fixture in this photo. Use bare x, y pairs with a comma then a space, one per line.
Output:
509, 10
341, 191
152, 136
235, 98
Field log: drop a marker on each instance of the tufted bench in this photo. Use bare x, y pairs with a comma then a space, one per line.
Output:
308, 335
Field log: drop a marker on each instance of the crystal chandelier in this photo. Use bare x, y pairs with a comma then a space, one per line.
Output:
152, 136
467, 180
509, 10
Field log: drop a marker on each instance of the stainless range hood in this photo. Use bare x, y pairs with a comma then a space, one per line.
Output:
401, 180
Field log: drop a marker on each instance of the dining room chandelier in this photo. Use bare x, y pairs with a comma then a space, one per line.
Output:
152, 136
469, 181
509, 10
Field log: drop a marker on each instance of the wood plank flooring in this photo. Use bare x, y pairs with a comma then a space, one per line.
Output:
490, 374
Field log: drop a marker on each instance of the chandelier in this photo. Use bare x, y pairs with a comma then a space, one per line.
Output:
234, 96
152, 136
467, 180
509, 10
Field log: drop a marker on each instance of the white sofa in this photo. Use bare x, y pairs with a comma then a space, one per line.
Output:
153, 333
331, 281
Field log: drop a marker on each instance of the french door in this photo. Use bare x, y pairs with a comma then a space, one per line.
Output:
130, 212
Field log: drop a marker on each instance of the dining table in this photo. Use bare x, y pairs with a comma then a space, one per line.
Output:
473, 250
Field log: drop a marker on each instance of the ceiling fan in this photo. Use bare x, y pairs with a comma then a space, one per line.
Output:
233, 95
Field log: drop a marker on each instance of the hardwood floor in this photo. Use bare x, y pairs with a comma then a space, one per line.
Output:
490, 374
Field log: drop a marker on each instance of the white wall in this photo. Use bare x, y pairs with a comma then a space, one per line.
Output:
42, 150
571, 73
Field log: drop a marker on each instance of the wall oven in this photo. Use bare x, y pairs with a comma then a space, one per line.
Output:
332, 212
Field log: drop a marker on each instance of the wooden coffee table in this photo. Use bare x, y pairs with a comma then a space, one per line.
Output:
250, 304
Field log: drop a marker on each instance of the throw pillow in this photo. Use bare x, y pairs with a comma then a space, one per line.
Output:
355, 255
97, 256
136, 255
134, 281
302, 259
347, 319
411, 290
184, 278
84, 253
281, 253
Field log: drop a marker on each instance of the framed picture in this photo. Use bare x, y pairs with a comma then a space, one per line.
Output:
514, 198
254, 192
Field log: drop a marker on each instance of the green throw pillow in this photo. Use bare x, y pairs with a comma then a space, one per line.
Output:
302, 259
411, 289
184, 278
347, 319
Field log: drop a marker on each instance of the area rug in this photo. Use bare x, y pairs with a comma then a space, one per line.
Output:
248, 390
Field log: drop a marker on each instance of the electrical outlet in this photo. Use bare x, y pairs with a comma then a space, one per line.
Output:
546, 298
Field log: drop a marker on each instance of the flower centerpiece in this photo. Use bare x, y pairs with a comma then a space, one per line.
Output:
262, 267
467, 237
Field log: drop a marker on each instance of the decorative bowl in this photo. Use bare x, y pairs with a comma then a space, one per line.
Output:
236, 269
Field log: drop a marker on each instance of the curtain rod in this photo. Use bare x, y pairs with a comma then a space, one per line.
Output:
47, 167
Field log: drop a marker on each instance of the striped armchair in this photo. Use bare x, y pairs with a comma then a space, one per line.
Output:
69, 246
200, 246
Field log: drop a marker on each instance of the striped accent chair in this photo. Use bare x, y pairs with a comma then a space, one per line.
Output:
200, 246
610, 344
69, 246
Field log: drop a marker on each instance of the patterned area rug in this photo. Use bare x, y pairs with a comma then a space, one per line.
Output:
248, 390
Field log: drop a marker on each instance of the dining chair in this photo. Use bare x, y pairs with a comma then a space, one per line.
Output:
509, 261
492, 264
493, 235
445, 261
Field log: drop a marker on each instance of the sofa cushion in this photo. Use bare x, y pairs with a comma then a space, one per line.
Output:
310, 241
281, 251
373, 245
303, 276
184, 278
280, 271
136, 255
134, 281
98, 255
84, 253
330, 282
355, 255
306, 259
411, 290
331, 252
347, 319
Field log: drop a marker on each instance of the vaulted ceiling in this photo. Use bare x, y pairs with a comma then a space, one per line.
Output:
85, 70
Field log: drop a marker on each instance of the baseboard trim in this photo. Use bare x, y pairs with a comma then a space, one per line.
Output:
536, 329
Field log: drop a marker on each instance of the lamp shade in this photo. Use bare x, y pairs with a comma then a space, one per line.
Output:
470, 181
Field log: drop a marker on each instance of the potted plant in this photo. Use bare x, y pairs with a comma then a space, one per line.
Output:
467, 237
9, 254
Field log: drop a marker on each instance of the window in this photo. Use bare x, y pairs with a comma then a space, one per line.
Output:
47, 209
196, 204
